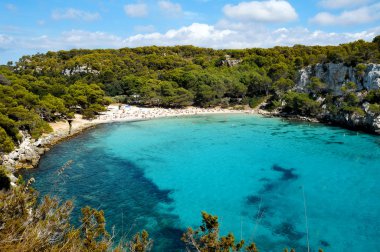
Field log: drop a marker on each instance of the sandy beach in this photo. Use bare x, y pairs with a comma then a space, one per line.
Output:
124, 113
29, 152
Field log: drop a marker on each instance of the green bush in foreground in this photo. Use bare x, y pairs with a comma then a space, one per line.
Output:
27, 225
5, 182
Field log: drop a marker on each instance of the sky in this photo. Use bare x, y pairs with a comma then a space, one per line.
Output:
37, 26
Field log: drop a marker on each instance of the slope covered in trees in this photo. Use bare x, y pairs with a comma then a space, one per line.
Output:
45, 87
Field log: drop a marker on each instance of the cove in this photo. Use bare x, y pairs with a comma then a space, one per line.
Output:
248, 170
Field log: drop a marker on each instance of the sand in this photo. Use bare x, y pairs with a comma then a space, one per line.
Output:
124, 113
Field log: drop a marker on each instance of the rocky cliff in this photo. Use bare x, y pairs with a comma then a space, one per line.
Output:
335, 75
27, 154
365, 76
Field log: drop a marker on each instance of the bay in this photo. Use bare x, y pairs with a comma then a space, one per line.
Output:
256, 174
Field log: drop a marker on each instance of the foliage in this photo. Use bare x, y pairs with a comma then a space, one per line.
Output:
27, 225
374, 108
5, 182
373, 96
282, 85
353, 110
316, 86
47, 87
256, 101
206, 238
95, 236
140, 242
300, 103
6, 143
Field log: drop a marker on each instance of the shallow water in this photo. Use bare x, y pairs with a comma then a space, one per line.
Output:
248, 170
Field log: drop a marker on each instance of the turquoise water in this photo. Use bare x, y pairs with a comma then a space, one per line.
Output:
248, 170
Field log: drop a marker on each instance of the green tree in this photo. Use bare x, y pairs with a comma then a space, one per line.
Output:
95, 236
205, 96
282, 85
300, 103
316, 86
376, 40
5, 182
51, 107
207, 238
6, 143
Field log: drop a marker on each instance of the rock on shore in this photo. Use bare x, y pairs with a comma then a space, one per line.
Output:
28, 154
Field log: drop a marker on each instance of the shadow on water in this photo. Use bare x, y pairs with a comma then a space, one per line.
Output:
288, 230
266, 205
287, 174
131, 201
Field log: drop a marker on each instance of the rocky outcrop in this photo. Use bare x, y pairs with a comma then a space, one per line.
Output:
231, 62
337, 74
27, 154
80, 69
368, 122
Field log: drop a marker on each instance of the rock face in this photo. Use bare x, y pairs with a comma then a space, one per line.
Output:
27, 154
335, 75
369, 122
231, 62
80, 69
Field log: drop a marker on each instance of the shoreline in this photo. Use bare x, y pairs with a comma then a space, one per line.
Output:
29, 152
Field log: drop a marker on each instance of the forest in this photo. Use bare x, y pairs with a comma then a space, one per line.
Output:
46, 87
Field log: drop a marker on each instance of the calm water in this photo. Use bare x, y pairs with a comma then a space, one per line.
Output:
250, 171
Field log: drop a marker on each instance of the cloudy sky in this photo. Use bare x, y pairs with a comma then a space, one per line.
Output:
31, 26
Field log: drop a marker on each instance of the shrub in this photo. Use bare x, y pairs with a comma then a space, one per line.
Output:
256, 101
353, 110
6, 143
374, 108
300, 103
5, 182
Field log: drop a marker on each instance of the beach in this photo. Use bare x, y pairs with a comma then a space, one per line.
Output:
29, 152
124, 113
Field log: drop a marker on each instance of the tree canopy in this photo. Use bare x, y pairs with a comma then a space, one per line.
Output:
45, 87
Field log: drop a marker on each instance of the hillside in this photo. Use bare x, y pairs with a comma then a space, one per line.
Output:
46, 87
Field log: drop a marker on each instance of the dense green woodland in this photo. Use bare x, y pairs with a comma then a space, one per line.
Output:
46, 87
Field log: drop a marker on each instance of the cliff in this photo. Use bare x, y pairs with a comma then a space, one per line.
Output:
336, 74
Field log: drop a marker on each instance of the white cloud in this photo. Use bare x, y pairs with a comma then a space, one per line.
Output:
169, 7
72, 13
304, 36
264, 11
336, 4
222, 35
195, 34
361, 15
136, 10
244, 35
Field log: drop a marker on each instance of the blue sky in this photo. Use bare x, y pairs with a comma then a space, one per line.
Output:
32, 26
